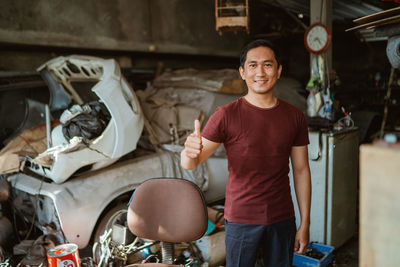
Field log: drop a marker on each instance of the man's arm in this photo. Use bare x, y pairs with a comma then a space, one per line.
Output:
302, 185
197, 149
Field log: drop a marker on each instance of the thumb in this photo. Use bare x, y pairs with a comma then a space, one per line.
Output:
296, 246
197, 127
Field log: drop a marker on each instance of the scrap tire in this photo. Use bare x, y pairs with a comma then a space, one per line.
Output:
114, 215
117, 214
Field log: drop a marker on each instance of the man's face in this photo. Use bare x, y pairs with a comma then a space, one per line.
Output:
261, 70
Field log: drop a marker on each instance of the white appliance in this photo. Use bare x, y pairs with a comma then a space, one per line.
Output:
333, 158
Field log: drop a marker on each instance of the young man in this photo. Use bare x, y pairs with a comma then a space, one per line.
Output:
260, 133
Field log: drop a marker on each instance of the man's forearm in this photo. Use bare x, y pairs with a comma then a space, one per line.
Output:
302, 184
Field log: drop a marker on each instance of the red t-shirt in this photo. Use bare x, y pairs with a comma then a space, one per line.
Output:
258, 143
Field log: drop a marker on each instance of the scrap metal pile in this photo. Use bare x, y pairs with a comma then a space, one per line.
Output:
94, 118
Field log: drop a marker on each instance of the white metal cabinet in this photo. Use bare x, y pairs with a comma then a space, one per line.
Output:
333, 159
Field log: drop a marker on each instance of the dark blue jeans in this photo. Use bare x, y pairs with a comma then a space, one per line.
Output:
274, 242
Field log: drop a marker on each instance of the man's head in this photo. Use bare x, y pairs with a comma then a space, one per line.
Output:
257, 43
259, 67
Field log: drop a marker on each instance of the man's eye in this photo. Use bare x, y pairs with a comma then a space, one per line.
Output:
252, 65
267, 65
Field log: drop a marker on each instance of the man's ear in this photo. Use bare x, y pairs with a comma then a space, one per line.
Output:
241, 71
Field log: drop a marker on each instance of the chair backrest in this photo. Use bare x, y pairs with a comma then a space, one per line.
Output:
169, 210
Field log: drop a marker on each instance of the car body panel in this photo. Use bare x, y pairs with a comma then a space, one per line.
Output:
123, 130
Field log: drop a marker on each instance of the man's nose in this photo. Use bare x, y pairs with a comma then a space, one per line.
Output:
260, 70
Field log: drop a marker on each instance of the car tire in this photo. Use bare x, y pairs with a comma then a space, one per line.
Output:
117, 214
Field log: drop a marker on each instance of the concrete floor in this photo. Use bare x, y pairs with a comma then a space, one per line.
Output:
346, 255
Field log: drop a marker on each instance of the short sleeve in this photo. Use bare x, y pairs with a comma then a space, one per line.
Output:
215, 127
301, 138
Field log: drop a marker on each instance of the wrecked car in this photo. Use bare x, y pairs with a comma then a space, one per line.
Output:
73, 176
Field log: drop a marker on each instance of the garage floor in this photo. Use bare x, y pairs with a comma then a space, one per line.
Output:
347, 255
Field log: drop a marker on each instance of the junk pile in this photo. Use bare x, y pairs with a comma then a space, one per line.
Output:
212, 244
119, 247
110, 251
99, 119
99, 125
104, 124
177, 98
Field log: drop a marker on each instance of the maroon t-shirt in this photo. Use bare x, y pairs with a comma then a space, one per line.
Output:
258, 143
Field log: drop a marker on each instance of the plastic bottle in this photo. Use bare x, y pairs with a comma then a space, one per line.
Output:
311, 105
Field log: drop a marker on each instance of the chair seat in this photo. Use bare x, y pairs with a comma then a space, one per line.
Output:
169, 210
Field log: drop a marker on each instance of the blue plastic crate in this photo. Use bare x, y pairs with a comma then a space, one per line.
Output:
304, 261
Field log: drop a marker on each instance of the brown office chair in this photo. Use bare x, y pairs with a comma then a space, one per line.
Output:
167, 210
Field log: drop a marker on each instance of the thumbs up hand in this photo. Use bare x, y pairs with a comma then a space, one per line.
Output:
193, 144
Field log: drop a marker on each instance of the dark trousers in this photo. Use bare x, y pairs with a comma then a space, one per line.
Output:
274, 242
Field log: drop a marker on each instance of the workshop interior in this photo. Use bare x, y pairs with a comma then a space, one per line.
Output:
97, 99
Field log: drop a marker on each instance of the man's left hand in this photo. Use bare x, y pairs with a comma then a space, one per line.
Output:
301, 240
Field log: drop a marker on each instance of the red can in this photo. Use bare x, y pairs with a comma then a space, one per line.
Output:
65, 255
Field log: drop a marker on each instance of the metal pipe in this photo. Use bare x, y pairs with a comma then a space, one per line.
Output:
48, 126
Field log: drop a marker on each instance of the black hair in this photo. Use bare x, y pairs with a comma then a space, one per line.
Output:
257, 43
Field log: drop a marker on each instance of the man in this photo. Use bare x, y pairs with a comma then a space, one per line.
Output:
259, 133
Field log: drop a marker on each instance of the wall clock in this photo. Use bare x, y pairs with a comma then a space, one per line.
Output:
317, 38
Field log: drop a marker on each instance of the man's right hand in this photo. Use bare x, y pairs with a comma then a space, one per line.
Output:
197, 149
193, 144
